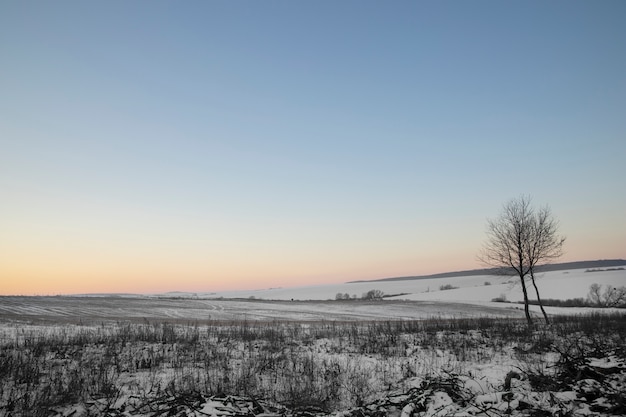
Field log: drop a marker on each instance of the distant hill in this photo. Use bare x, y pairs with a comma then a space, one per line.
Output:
602, 263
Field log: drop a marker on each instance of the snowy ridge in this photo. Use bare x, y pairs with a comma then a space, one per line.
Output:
554, 284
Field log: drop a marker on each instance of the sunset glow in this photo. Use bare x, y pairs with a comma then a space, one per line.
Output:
214, 146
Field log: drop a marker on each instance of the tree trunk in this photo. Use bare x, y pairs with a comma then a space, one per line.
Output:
526, 309
532, 278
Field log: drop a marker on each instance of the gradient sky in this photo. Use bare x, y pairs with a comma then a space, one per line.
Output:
150, 146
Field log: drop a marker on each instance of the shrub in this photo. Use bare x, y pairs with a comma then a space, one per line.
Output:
373, 295
500, 299
447, 287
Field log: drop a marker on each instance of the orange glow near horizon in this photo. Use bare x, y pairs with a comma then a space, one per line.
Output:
68, 272
52, 274
127, 252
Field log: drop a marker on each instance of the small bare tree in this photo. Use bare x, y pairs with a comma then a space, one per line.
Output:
595, 294
520, 240
614, 296
611, 297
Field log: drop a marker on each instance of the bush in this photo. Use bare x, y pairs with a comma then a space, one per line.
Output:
447, 287
500, 299
342, 296
373, 295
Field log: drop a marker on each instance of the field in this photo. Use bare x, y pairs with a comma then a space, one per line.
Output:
556, 284
89, 310
192, 355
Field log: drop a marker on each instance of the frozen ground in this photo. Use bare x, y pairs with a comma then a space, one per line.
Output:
87, 310
267, 353
487, 367
557, 284
410, 299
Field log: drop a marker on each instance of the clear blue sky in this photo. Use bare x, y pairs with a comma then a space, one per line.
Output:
208, 145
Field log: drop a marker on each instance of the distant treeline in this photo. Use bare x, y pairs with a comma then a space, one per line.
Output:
604, 270
570, 302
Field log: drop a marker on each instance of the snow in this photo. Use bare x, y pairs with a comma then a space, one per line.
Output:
556, 284
488, 377
404, 300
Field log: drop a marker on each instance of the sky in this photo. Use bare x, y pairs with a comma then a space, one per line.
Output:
154, 146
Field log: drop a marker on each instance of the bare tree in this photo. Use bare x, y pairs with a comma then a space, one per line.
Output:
611, 297
614, 297
595, 294
520, 240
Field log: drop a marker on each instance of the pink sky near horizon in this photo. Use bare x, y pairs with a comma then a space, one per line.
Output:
78, 273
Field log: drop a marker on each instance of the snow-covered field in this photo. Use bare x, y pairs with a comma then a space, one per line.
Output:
557, 284
422, 351
87, 310
410, 299
437, 367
